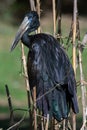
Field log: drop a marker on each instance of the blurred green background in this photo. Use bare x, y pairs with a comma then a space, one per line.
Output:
11, 14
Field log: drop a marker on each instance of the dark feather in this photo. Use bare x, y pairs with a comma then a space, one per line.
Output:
48, 65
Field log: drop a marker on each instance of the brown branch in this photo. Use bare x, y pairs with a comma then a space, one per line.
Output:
83, 90
35, 111
47, 123
30, 102
68, 125
16, 126
10, 105
83, 126
25, 72
42, 123
64, 123
32, 5
74, 50
74, 34
59, 13
54, 16
70, 33
84, 82
38, 11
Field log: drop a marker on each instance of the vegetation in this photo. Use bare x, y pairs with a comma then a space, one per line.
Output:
11, 67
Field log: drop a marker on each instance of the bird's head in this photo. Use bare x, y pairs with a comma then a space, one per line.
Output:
30, 23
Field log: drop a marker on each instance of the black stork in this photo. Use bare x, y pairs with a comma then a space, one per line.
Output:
49, 69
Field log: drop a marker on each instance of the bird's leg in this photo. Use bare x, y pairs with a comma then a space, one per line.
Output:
25, 39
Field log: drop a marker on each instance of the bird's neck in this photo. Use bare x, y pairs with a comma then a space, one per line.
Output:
25, 39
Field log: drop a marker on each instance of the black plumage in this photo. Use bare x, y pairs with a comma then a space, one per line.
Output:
49, 69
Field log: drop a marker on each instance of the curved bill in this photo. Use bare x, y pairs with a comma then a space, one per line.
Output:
23, 28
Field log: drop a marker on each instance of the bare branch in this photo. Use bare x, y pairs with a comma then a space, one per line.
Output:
47, 123
10, 105
54, 16
15, 126
32, 5
83, 90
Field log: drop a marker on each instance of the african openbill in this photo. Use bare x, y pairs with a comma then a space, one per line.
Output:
49, 69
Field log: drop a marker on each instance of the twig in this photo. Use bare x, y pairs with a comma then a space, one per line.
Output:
42, 123
35, 111
83, 126
74, 34
74, 50
38, 11
74, 120
83, 90
25, 72
70, 33
84, 82
54, 17
15, 126
9, 98
68, 125
78, 28
41, 116
10, 105
47, 123
64, 123
32, 5
27, 84
59, 13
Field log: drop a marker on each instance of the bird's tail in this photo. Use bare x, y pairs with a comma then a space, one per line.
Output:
60, 104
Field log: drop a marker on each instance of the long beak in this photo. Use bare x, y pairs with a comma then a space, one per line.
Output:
23, 28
